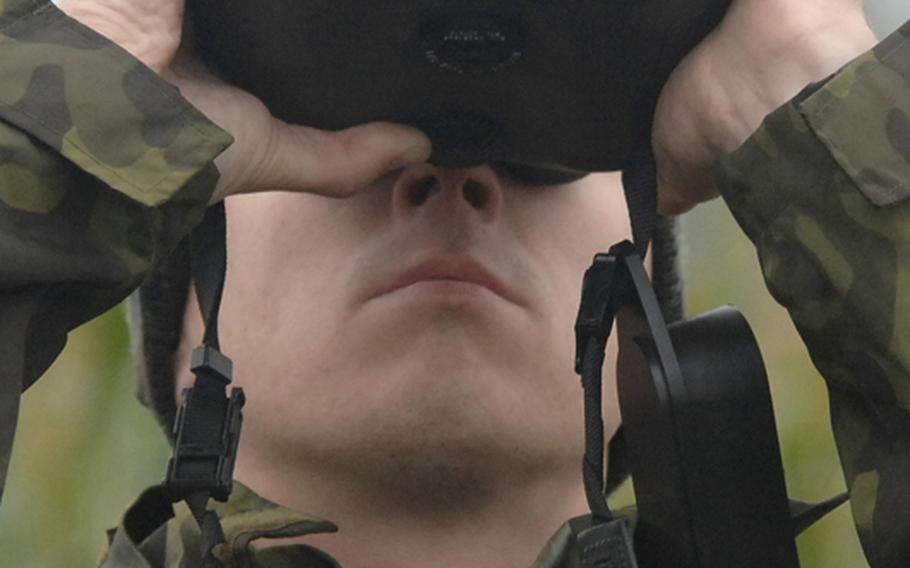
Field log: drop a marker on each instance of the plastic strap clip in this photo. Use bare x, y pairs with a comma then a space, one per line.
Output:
595, 313
207, 430
604, 544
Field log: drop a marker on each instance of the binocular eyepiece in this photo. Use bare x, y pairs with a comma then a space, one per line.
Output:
567, 87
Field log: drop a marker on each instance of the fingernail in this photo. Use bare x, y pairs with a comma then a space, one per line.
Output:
418, 153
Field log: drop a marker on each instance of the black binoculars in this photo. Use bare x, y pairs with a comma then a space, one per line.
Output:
556, 88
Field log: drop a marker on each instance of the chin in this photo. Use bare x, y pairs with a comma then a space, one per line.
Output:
440, 397
453, 407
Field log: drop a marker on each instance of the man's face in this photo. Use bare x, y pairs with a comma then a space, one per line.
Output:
423, 325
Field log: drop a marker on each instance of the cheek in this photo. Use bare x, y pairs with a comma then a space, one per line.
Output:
563, 230
285, 251
272, 234
269, 240
565, 227
283, 288
595, 210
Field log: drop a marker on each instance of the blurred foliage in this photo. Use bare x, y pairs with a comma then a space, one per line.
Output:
86, 447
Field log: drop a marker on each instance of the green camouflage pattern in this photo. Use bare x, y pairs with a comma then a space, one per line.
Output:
880, 75
99, 108
821, 189
245, 518
248, 518
103, 168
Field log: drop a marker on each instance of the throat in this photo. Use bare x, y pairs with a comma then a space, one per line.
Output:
432, 515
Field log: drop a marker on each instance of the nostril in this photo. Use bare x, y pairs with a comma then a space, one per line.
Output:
421, 189
476, 194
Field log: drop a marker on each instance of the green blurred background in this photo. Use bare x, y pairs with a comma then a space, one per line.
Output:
85, 447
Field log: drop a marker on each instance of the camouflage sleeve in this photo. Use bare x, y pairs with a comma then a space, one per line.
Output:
822, 190
103, 168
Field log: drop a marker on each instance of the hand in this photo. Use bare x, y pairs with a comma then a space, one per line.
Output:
762, 54
267, 154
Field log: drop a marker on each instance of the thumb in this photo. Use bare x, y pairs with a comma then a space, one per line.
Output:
339, 163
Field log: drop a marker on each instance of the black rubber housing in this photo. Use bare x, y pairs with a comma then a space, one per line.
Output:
699, 422
549, 83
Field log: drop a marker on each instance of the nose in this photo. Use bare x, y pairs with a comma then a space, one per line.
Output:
454, 191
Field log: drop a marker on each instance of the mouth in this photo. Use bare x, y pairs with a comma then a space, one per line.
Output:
450, 275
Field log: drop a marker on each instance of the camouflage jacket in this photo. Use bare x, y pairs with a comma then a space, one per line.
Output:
104, 167
246, 517
822, 190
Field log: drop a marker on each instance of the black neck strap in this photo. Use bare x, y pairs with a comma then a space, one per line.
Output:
207, 428
592, 329
639, 180
208, 258
595, 321
603, 540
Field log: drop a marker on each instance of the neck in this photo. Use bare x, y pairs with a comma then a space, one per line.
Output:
426, 515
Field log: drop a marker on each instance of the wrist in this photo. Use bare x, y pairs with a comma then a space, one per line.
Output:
150, 32
764, 65
799, 42
831, 44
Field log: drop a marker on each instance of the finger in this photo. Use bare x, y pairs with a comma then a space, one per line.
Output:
682, 182
676, 201
671, 205
677, 196
338, 163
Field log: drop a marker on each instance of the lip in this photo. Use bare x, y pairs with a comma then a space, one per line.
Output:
455, 268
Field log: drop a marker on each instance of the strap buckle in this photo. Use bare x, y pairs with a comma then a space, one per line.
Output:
595, 313
207, 430
604, 544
